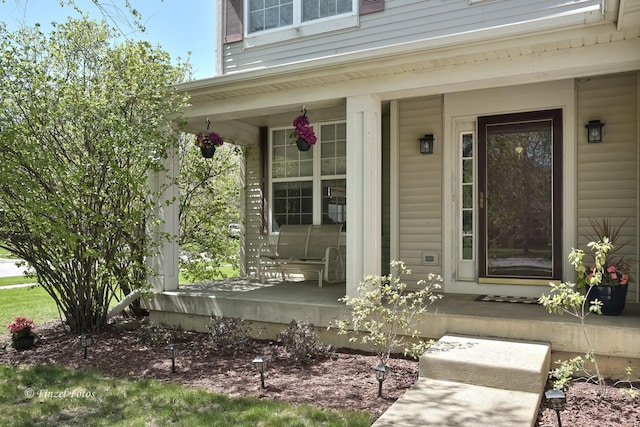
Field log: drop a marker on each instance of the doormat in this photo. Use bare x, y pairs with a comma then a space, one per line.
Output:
502, 298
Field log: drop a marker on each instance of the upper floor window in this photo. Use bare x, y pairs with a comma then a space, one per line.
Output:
271, 14
316, 9
268, 14
261, 22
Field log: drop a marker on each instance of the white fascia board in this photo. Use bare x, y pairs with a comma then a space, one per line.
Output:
589, 15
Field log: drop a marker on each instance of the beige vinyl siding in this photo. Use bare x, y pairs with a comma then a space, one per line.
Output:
420, 183
608, 172
405, 21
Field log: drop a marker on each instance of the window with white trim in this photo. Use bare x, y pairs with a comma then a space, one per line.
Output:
309, 187
265, 15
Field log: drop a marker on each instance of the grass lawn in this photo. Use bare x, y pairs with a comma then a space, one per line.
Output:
49, 395
33, 303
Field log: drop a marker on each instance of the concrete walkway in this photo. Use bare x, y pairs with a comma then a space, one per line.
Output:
22, 285
472, 381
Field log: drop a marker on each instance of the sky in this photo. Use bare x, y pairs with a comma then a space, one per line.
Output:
178, 26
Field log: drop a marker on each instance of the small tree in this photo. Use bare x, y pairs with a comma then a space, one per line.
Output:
567, 298
84, 123
384, 313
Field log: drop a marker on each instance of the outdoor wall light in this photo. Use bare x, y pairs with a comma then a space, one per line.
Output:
556, 400
381, 375
260, 363
85, 340
172, 352
594, 131
426, 144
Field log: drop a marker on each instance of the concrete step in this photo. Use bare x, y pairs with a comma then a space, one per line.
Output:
489, 362
439, 403
473, 381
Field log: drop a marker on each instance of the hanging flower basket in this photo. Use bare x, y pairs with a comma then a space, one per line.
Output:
303, 134
208, 143
208, 151
303, 144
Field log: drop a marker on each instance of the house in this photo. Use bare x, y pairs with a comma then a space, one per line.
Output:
503, 90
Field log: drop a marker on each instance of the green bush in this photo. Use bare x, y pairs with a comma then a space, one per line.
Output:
299, 342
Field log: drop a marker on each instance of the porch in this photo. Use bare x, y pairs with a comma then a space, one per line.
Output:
274, 304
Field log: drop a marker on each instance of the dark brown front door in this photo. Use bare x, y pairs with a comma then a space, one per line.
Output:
520, 196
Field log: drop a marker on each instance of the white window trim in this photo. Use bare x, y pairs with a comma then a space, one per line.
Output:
316, 178
299, 28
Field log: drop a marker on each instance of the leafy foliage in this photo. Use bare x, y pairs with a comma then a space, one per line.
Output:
161, 334
384, 312
84, 124
229, 335
567, 298
299, 342
209, 202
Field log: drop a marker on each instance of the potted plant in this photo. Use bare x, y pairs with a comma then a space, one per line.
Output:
303, 134
21, 335
606, 280
207, 143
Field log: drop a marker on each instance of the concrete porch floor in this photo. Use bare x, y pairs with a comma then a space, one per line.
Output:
616, 339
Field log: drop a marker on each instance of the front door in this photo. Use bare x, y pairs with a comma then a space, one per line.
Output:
520, 197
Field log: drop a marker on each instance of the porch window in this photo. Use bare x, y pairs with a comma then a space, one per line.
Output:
309, 187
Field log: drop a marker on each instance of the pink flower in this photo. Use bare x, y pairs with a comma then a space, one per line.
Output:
614, 276
611, 269
303, 130
20, 324
625, 279
208, 140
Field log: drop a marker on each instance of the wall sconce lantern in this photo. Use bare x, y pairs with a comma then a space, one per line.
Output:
426, 144
172, 352
85, 340
594, 131
260, 363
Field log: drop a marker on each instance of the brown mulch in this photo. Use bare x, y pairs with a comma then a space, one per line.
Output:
345, 381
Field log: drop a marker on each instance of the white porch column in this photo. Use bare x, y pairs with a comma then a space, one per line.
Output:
165, 263
364, 190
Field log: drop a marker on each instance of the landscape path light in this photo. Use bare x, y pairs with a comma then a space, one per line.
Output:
85, 340
172, 352
260, 362
556, 400
381, 375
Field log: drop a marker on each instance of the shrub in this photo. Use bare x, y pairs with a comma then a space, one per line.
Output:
160, 334
228, 334
299, 342
384, 312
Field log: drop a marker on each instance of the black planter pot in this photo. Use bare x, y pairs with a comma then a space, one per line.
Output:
612, 297
208, 151
302, 144
24, 343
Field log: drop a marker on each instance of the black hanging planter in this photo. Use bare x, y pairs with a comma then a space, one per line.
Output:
303, 144
612, 298
208, 151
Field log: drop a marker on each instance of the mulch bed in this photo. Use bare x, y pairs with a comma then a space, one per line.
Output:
345, 381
